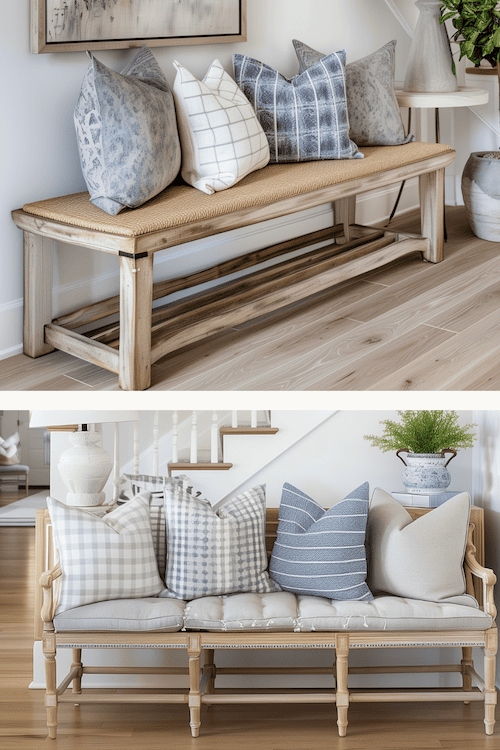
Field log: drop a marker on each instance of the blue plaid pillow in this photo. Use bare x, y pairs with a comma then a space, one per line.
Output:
318, 552
305, 118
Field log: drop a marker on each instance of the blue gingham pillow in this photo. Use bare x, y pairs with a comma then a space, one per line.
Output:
318, 552
305, 118
216, 550
105, 558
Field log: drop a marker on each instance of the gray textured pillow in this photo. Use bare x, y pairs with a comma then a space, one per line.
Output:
127, 133
304, 119
321, 552
215, 550
421, 559
374, 115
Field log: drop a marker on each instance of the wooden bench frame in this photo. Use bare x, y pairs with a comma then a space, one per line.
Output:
200, 647
144, 336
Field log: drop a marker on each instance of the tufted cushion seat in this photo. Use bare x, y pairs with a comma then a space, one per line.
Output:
148, 614
286, 611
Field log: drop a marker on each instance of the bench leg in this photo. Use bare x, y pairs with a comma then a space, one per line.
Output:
432, 213
38, 274
49, 651
136, 300
77, 662
466, 662
27, 486
345, 213
490, 693
194, 653
342, 654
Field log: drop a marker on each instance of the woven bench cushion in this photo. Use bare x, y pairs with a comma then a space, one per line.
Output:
180, 204
145, 614
285, 611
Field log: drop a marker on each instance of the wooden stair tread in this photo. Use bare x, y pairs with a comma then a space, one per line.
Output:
203, 466
249, 430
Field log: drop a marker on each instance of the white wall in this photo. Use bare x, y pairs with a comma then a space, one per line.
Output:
39, 156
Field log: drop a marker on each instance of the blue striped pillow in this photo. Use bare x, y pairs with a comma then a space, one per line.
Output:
318, 552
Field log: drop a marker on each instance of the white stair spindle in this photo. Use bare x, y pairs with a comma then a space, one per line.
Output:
136, 447
194, 438
175, 437
269, 418
234, 419
214, 440
253, 419
156, 420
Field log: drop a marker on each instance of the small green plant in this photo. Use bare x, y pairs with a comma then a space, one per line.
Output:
477, 24
424, 432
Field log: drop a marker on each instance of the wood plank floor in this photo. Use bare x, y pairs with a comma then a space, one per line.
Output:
409, 326
422, 726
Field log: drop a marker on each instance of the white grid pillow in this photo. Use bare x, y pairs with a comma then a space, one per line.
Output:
105, 558
222, 140
216, 550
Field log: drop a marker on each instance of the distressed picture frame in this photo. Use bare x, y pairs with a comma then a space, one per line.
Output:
79, 25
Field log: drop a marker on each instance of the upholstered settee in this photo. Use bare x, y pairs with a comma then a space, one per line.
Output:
273, 620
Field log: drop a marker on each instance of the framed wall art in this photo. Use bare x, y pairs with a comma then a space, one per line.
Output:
72, 25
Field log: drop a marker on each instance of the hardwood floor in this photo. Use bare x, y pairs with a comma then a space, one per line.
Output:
155, 727
409, 326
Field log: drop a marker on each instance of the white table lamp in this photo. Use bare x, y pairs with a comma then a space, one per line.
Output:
85, 467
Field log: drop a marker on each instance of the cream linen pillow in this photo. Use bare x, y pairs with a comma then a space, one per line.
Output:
421, 559
222, 140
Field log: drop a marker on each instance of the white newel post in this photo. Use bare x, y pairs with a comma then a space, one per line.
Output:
194, 438
175, 437
214, 440
234, 419
253, 419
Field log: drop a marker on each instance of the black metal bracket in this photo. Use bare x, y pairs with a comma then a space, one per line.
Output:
133, 256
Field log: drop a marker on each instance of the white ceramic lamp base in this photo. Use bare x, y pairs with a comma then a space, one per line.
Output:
85, 469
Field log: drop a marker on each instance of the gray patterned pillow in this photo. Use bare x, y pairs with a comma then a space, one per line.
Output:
127, 133
374, 114
305, 118
215, 550
321, 552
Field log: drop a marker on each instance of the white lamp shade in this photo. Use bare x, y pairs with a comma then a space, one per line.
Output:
69, 417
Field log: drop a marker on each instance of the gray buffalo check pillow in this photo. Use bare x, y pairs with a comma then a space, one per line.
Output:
105, 558
374, 115
305, 118
215, 550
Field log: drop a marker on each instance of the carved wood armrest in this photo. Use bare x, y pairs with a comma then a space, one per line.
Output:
50, 595
485, 574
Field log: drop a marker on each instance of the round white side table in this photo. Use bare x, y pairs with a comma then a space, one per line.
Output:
466, 96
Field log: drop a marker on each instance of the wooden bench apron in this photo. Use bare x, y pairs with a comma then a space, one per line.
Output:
182, 214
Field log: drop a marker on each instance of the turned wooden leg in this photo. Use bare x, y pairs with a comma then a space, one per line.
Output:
466, 662
210, 669
194, 653
38, 273
490, 693
432, 213
136, 300
49, 651
345, 213
77, 662
342, 652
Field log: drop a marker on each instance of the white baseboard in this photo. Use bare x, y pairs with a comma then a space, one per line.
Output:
373, 208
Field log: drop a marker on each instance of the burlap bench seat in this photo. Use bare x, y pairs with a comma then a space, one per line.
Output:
182, 214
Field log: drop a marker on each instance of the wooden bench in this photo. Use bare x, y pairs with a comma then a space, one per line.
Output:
182, 214
339, 644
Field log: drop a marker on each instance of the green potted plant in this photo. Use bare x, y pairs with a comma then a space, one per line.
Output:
477, 24
426, 437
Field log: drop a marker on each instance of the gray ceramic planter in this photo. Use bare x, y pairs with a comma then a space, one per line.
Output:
481, 191
426, 473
